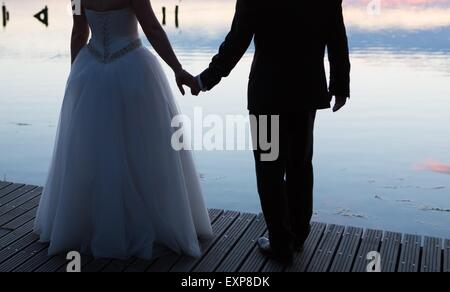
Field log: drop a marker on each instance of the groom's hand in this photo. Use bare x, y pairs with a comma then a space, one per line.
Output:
184, 78
340, 102
195, 89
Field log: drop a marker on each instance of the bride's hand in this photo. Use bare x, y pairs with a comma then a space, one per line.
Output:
184, 78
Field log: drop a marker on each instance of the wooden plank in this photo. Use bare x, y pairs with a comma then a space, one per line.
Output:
234, 249
96, 265
165, 263
272, 266
17, 246
186, 264
255, 260
410, 255
19, 221
52, 265
34, 262
347, 250
3, 232
326, 250
390, 251
22, 209
223, 246
4, 184
214, 214
118, 266
22, 256
431, 255
139, 266
20, 200
446, 268
244, 246
302, 260
14, 235
9, 189
370, 242
15, 194
85, 260
59, 264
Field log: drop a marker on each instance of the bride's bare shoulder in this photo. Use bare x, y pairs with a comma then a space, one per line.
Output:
105, 5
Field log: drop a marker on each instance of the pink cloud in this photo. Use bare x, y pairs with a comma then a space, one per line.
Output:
434, 166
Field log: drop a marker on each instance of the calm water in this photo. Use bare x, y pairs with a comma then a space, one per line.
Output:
383, 162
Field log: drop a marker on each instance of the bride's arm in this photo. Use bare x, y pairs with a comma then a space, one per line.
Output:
80, 35
155, 33
158, 39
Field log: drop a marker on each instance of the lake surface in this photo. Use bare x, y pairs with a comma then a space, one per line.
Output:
383, 162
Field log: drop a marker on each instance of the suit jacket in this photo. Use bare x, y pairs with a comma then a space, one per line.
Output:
291, 38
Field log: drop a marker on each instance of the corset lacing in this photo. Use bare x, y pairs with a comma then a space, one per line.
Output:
106, 56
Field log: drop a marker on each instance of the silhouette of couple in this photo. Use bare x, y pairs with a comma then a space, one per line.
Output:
128, 193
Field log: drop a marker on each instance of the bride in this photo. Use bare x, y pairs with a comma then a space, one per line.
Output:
116, 188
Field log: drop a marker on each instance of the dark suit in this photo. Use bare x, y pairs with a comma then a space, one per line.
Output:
288, 79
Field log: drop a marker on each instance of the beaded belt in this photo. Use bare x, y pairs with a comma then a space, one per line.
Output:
109, 57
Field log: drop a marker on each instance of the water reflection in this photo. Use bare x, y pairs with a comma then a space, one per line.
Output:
415, 26
434, 166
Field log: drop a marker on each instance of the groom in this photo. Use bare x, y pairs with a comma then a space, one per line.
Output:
288, 80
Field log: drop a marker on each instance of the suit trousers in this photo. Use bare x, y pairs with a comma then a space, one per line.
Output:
285, 185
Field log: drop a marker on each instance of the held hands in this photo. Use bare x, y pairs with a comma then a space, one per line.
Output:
195, 90
340, 102
184, 78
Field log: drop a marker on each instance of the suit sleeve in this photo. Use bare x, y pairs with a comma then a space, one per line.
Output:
233, 48
338, 54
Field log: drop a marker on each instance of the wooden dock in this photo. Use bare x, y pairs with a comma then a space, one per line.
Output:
330, 248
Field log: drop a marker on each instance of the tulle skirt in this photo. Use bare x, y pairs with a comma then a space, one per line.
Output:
116, 188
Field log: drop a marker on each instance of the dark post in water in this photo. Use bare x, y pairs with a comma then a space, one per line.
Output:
5, 15
177, 24
164, 15
42, 16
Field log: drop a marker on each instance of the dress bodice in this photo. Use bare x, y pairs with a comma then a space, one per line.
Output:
114, 33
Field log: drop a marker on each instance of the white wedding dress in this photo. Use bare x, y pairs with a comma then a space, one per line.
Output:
116, 188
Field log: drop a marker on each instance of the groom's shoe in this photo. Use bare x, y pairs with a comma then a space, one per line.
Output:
283, 257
